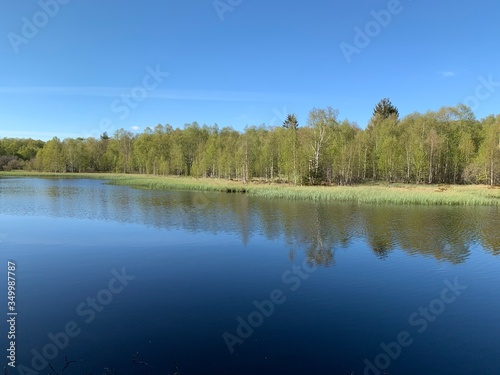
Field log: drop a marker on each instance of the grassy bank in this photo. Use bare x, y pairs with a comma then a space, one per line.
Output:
373, 193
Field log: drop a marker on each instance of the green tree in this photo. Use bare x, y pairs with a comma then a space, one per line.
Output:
50, 157
488, 157
291, 145
122, 142
322, 123
385, 109
291, 122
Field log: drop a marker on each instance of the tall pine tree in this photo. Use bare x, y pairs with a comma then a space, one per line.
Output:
385, 109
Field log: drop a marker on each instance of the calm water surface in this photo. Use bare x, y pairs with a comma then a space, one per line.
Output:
234, 284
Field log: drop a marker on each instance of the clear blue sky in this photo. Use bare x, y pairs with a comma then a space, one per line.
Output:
262, 60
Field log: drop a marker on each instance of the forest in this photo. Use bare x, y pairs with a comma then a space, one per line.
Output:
448, 146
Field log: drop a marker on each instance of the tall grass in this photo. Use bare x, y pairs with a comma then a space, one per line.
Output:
375, 193
455, 195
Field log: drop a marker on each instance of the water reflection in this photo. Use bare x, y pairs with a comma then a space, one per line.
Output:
193, 280
445, 233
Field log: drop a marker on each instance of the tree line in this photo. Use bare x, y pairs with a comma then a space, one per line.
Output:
445, 146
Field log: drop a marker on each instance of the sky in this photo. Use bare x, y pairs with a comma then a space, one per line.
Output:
75, 68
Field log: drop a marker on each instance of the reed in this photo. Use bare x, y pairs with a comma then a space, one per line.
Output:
365, 193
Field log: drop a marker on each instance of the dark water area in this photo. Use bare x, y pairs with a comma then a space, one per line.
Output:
215, 283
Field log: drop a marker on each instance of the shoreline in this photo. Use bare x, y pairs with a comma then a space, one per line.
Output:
464, 195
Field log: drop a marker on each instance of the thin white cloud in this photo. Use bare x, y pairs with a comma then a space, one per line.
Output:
447, 74
199, 95
37, 134
135, 128
67, 91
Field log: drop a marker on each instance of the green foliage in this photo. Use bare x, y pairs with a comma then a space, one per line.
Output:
291, 122
23, 149
448, 146
385, 109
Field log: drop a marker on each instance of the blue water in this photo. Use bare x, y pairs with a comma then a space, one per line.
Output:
335, 283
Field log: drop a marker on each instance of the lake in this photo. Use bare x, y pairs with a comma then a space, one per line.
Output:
218, 283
